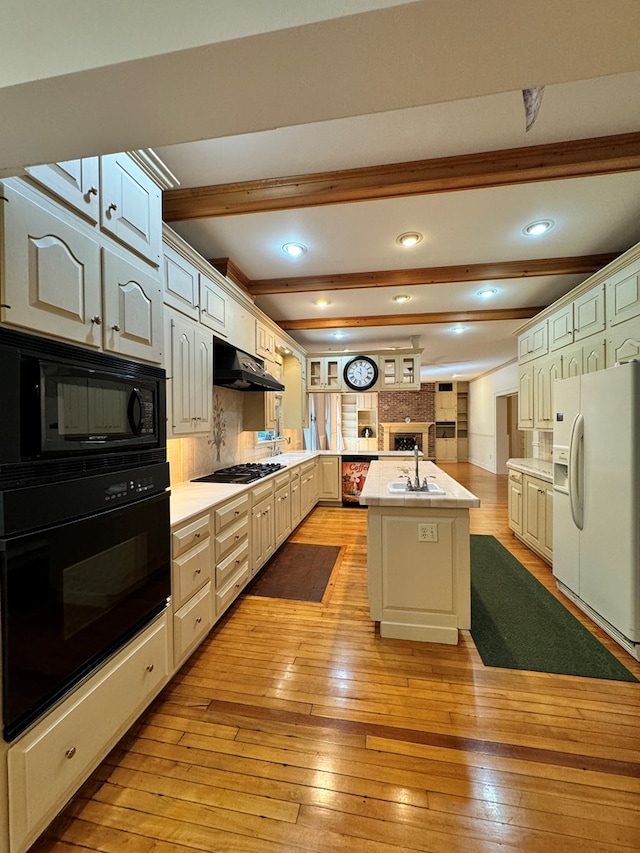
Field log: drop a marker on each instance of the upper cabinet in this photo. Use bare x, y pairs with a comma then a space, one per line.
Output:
399, 372
194, 293
580, 319
533, 343
324, 373
74, 181
265, 341
81, 251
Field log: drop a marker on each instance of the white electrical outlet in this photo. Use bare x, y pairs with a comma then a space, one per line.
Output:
427, 532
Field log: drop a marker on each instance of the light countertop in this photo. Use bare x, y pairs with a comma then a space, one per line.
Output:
376, 493
535, 467
188, 499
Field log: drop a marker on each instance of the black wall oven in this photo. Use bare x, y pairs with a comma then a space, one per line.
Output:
84, 516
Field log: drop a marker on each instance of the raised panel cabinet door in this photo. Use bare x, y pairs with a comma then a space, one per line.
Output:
132, 309
74, 181
131, 206
623, 295
515, 506
182, 374
213, 306
181, 283
589, 313
534, 511
525, 397
623, 343
203, 380
561, 327
296, 511
51, 281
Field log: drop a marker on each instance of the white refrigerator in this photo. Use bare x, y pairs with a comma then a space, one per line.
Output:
596, 500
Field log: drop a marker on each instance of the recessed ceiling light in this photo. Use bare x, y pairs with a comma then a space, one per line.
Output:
338, 335
294, 250
458, 330
540, 226
409, 238
322, 303
487, 292
401, 298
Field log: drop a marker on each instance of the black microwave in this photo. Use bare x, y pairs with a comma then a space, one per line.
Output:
59, 401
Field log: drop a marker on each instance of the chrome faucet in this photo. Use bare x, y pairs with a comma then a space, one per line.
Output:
416, 485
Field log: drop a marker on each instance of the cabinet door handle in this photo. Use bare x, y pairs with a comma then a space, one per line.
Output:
112, 208
116, 328
70, 752
97, 320
150, 668
198, 571
198, 620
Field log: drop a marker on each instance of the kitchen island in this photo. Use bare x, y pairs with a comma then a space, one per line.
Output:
418, 552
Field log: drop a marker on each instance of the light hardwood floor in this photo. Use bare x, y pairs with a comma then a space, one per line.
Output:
295, 727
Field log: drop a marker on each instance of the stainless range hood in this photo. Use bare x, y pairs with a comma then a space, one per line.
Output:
235, 369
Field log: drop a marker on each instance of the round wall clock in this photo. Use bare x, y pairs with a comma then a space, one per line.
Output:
361, 373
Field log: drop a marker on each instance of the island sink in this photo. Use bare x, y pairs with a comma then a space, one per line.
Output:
401, 487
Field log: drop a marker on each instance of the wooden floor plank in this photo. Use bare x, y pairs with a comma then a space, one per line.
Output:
296, 727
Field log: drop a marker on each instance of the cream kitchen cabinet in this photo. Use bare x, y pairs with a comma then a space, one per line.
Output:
623, 343
545, 372
587, 356
324, 373
76, 182
265, 345
525, 396
295, 499
115, 191
263, 535
537, 516
262, 410
194, 292
515, 500
191, 585
82, 287
282, 487
446, 402
189, 366
49, 763
328, 476
580, 319
533, 343
399, 372
232, 572
295, 404
623, 295
308, 486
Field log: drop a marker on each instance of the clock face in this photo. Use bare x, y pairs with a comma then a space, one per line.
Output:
361, 373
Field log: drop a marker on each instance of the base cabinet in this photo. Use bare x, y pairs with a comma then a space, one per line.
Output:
191, 575
47, 765
232, 571
531, 512
328, 474
263, 531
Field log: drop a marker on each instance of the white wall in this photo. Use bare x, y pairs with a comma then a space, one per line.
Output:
483, 393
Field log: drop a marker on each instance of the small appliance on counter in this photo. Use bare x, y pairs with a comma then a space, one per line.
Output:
244, 473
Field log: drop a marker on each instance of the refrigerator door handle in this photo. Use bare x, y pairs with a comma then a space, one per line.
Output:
576, 459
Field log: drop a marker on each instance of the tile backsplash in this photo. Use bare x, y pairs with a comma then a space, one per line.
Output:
543, 445
227, 443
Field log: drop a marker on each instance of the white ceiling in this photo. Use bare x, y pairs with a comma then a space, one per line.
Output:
233, 91
592, 215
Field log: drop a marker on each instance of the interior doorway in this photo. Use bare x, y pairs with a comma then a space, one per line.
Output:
511, 442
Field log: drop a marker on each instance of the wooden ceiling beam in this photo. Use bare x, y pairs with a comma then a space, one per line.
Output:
552, 161
410, 319
432, 275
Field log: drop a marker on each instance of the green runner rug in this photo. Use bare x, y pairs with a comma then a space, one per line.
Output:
516, 623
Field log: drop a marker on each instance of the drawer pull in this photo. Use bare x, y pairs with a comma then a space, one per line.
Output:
70, 752
198, 620
237, 512
150, 668
198, 535
237, 536
198, 571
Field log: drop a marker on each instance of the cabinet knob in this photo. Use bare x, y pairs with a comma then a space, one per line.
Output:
198, 571
116, 328
198, 620
150, 668
97, 320
198, 535
70, 752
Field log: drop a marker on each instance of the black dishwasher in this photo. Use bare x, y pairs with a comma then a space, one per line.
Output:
354, 474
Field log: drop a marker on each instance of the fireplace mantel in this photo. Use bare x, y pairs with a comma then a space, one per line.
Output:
393, 428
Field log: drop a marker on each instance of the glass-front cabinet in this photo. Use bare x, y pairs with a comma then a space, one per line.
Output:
324, 373
399, 371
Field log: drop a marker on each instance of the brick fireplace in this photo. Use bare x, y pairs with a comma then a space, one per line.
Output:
408, 417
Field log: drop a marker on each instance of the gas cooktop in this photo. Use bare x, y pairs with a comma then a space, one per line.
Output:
245, 473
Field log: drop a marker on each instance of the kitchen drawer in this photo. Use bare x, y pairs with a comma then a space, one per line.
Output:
515, 476
230, 511
229, 593
189, 534
51, 761
192, 623
230, 537
231, 564
281, 480
191, 571
259, 493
